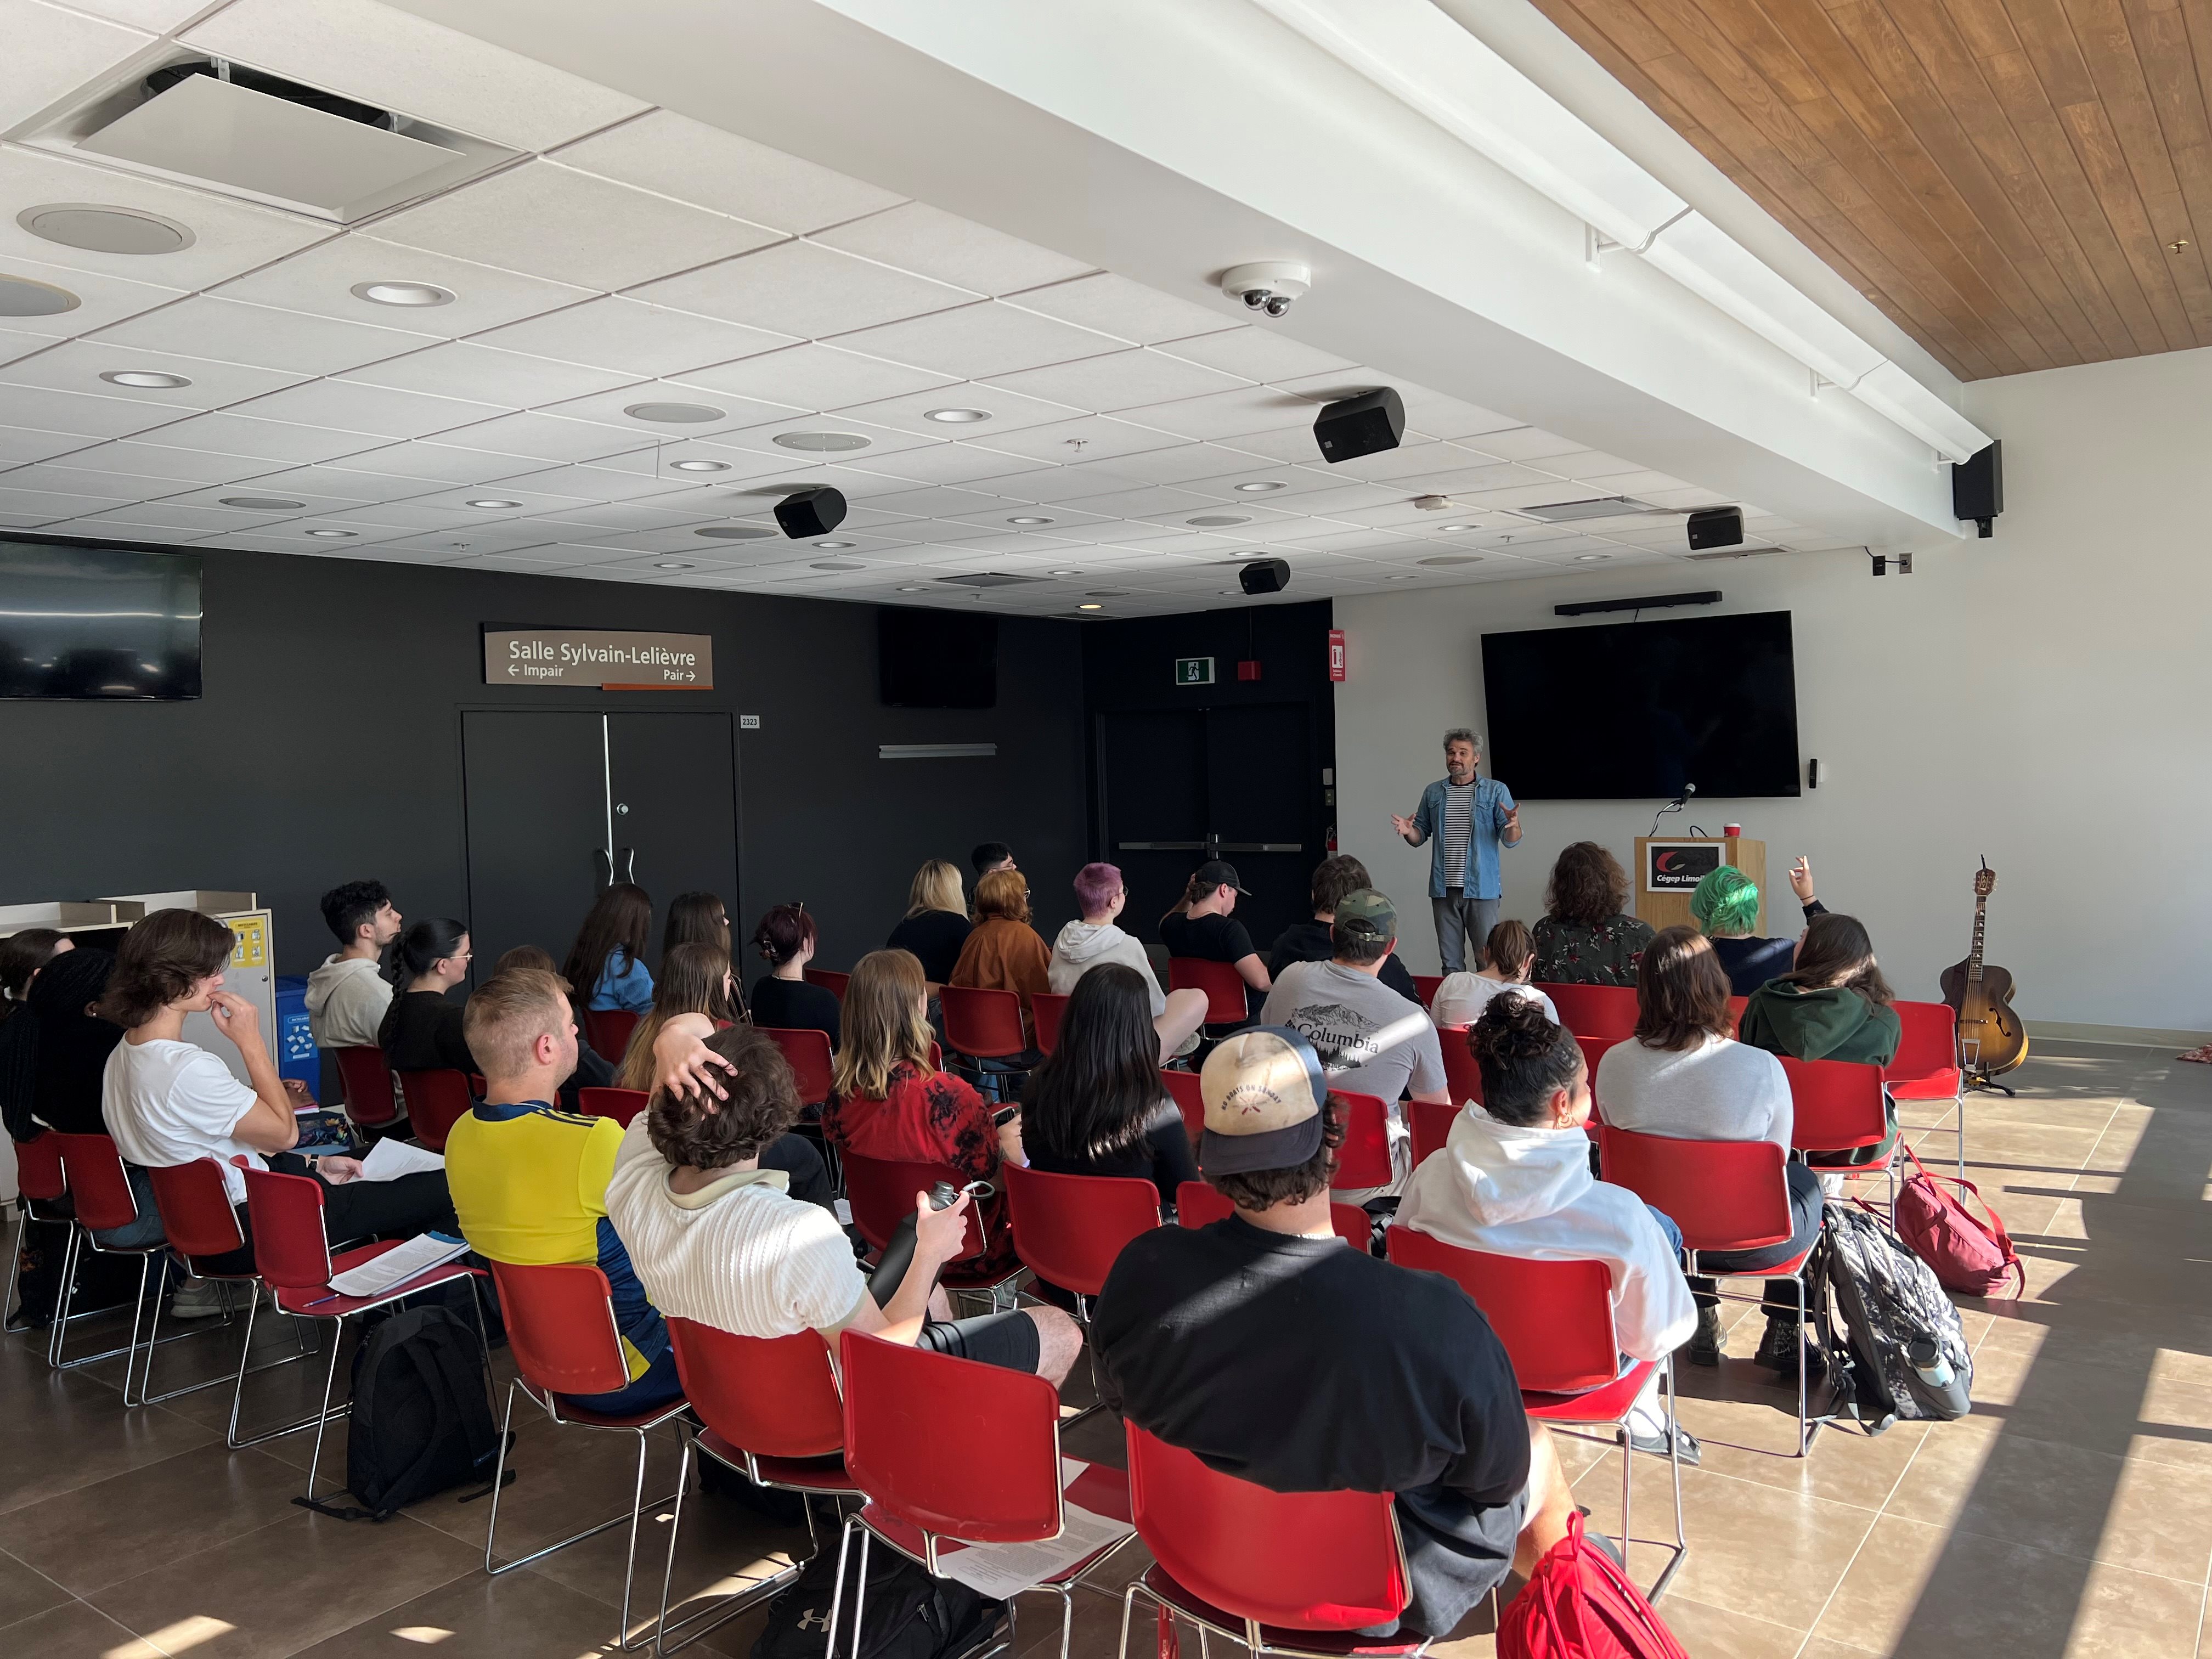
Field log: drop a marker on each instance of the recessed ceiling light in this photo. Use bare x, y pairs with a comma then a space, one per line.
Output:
836, 564
1028, 518
698, 466
494, 501
1260, 484
143, 377
914, 590
1409, 577
1067, 572
21, 297
1257, 553
1090, 607
402, 293
1451, 558
672, 414
734, 533
1216, 521
819, 440
1108, 594
957, 416
98, 229
1456, 526
1231, 593
333, 535
674, 564
1591, 558
262, 504
834, 547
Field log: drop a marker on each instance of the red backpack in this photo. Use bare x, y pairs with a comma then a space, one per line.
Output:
1968, 1255
1578, 1604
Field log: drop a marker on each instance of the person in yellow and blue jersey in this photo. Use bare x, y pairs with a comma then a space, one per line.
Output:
529, 1179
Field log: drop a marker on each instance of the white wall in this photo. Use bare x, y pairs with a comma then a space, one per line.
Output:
2041, 697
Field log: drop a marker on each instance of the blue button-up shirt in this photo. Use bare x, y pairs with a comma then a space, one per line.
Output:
1493, 801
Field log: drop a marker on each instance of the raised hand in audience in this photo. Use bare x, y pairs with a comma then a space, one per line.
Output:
1801, 879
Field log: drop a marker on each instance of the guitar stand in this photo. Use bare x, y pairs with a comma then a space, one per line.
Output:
1984, 1080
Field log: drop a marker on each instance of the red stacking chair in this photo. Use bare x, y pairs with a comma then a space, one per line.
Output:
1555, 1319
435, 1102
1725, 1195
1426, 987
607, 1030
1069, 1228
1838, 1106
829, 980
1594, 1050
951, 1452
1594, 1011
1182, 1088
1222, 985
291, 1254
1461, 1075
38, 1180
1047, 1009
1364, 1160
811, 1064
1198, 1205
1431, 1123
1297, 1573
1926, 1067
620, 1104
100, 1195
980, 1025
772, 1412
1735, 1007
881, 1193
561, 1328
371, 1101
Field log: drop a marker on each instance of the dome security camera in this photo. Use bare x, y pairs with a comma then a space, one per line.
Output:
1266, 285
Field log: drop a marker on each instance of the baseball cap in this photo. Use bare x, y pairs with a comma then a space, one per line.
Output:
1366, 914
1219, 873
1264, 1093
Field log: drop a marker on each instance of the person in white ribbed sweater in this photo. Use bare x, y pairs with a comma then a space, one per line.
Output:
713, 1236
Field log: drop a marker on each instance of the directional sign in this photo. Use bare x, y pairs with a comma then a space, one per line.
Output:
1194, 670
612, 660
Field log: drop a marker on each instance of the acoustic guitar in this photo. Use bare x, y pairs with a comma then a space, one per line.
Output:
1990, 1036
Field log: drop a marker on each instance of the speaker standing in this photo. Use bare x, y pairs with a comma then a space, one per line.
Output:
1465, 818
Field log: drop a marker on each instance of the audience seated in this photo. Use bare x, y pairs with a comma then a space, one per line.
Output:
1371, 1040
936, 922
1277, 1354
891, 1102
53, 1052
422, 1028
715, 1238
1684, 1077
167, 1102
1094, 1106
606, 964
1308, 941
1203, 924
1584, 937
1095, 941
349, 995
21, 955
782, 998
1003, 952
593, 1069
1833, 1005
1508, 955
695, 979
529, 1180
1726, 906
991, 855
701, 919
1514, 1179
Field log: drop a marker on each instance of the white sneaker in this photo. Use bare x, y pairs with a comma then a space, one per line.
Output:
200, 1298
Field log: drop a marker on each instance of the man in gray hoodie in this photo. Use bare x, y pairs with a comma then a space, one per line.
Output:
1085, 945
347, 994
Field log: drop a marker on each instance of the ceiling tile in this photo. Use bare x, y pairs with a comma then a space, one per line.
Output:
934, 243
386, 57
1114, 305
1093, 438
952, 464
1126, 379
30, 507
1065, 483
1258, 351
155, 16
802, 289
674, 156
19, 444
320, 281
81, 477
51, 52
630, 335
462, 368
657, 463
261, 336
350, 406
882, 439
156, 466
1009, 411
173, 516
453, 462
607, 407
570, 226
78, 365
101, 300
457, 500
609, 483
1233, 415
1137, 503
340, 486
74, 411
816, 377
1181, 464
476, 454
976, 341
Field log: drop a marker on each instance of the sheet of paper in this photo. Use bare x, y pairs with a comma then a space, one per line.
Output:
403, 1262
389, 1159
1000, 1570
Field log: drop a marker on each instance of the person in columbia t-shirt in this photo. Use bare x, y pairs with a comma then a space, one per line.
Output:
1464, 818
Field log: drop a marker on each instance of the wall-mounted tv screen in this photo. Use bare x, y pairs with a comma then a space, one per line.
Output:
1635, 711
936, 658
98, 623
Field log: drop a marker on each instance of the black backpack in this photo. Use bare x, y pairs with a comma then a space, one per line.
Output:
421, 1423
907, 1614
1902, 1353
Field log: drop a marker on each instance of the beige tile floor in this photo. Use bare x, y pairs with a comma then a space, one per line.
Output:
2070, 1515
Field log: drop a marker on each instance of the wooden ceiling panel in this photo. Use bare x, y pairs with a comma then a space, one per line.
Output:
2019, 184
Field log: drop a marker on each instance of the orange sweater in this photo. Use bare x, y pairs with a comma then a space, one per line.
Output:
1004, 956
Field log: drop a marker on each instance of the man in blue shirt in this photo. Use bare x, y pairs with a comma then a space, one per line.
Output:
1466, 819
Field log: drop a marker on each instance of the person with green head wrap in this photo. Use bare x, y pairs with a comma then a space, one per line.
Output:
1725, 907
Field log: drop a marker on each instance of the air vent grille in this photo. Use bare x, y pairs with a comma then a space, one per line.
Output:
1602, 507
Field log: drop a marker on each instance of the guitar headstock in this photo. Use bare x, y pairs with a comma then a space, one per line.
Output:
1985, 879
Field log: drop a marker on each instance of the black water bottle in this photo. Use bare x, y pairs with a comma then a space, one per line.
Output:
898, 1251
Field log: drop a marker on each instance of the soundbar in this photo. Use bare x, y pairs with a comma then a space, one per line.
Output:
1655, 602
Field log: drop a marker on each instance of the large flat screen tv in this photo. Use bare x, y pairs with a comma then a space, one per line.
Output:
98, 623
936, 658
1634, 711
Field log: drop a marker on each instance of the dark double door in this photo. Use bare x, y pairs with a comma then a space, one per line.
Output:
1179, 787
561, 802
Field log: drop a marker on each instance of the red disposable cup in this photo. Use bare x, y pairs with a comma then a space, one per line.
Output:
1731, 830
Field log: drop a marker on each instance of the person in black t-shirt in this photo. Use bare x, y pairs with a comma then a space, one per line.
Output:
1279, 1355
936, 923
783, 998
1311, 941
1203, 925
1096, 1106
422, 1028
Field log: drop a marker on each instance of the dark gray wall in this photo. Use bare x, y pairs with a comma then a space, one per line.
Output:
327, 747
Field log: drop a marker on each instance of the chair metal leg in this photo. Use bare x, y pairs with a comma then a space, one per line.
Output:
68, 1299
1674, 1467
23, 1221
860, 1594
675, 1530
630, 1560
323, 1419
499, 1481
138, 1321
837, 1590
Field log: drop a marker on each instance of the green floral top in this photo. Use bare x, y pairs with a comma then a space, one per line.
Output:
1577, 953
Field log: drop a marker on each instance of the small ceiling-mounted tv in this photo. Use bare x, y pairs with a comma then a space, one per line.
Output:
91, 622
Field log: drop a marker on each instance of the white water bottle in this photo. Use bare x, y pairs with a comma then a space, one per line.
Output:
1926, 1355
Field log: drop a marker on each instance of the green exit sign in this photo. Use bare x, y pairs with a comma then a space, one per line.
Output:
1194, 670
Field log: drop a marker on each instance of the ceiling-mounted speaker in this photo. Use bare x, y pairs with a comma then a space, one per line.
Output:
1978, 489
815, 512
1264, 576
1365, 425
1716, 527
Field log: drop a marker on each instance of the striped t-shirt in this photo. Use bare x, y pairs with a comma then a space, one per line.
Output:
1459, 823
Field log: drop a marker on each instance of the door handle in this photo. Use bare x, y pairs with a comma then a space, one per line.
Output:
1160, 846
625, 864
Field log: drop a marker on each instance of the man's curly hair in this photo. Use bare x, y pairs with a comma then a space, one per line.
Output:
698, 1129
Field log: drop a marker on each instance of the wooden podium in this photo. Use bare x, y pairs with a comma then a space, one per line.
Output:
1668, 868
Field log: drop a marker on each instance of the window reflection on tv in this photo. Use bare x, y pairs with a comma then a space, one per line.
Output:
98, 624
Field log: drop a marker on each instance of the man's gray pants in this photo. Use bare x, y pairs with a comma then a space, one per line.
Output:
1460, 920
